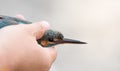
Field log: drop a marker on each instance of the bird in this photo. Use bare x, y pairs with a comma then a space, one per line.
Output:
50, 37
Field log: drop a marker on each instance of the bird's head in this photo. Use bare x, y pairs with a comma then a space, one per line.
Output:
52, 38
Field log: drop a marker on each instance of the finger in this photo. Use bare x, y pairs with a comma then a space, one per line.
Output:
20, 16
38, 29
52, 51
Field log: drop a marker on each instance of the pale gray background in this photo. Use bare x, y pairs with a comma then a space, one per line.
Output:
94, 21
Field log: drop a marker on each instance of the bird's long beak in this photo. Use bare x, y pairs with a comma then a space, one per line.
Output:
71, 41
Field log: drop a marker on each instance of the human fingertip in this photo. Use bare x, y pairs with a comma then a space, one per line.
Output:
45, 24
20, 16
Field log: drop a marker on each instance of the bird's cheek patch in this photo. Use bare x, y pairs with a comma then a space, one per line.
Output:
44, 43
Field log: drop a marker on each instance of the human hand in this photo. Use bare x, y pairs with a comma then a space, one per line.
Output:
19, 50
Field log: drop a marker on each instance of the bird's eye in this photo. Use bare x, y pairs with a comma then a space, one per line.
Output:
50, 39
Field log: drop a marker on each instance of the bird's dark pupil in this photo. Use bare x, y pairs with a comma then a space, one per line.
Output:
50, 39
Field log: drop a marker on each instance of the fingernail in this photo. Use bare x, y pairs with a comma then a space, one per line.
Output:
45, 24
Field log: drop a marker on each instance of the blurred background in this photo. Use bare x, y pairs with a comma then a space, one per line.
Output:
95, 21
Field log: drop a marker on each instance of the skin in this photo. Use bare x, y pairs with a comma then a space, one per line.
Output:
19, 50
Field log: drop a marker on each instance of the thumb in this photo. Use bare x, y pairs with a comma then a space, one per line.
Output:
38, 29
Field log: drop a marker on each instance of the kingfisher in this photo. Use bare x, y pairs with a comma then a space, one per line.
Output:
50, 37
